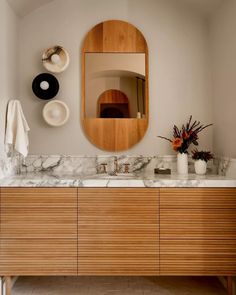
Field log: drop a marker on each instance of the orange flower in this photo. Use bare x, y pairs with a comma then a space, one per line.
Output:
176, 143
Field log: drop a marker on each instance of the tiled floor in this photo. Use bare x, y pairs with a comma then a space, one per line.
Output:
118, 286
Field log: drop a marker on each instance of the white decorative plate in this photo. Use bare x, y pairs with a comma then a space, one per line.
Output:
56, 113
56, 59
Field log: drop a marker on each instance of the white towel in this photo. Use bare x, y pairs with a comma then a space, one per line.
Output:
16, 137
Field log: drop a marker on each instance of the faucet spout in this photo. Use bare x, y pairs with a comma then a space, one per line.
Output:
116, 166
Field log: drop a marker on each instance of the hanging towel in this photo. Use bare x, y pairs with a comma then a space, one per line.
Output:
16, 138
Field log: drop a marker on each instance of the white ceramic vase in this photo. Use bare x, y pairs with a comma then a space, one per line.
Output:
182, 163
200, 167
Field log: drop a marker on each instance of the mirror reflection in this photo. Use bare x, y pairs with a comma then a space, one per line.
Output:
115, 85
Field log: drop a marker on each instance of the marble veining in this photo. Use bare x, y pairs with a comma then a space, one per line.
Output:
93, 164
86, 171
8, 166
83, 165
43, 179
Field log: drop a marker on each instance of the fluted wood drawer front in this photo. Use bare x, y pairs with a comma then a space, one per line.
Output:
197, 223
38, 257
198, 257
193, 198
38, 231
118, 231
197, 231
39, 213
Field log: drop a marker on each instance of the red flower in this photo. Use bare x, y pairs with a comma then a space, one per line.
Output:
186, 135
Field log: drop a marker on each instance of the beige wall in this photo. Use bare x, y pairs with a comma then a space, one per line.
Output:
179, 68
8, 68
223, 48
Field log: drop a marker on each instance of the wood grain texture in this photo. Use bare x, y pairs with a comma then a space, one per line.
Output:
118, 232
198, 198
114, 36
198, 223
112, 96
40, 213
30, 257
198, 231
8, 284
198, 257
38, 231
230, 285
115, 231
115, 134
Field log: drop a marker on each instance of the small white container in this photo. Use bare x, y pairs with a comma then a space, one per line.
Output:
200, 167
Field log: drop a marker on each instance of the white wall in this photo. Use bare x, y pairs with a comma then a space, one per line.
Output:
223, 48
179, 68
8, 68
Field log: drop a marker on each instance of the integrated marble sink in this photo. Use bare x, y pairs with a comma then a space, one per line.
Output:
117, 176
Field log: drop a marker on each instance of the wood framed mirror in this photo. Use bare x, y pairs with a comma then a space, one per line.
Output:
115, 109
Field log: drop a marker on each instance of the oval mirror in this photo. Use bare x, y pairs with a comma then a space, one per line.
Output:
114, 85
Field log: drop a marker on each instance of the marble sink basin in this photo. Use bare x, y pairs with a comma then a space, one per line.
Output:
117, 176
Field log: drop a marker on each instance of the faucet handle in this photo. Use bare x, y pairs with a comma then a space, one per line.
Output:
103, 168
126, 165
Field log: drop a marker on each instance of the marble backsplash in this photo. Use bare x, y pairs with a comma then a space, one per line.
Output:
9, 166
226, 167
89, 165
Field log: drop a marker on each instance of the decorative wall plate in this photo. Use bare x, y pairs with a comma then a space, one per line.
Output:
45, 86
56, 59
56, 113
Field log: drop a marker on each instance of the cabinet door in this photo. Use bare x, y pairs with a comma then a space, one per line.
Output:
118, 231
198, 231
38, 231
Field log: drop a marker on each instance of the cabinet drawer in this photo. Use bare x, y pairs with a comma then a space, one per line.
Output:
197, 231
197, 257
38, 231
118, 232
38, 213
197, 223
202, 198
38, 257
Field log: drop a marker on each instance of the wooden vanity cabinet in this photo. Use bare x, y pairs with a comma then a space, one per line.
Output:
38, 231
118, 231
198, 231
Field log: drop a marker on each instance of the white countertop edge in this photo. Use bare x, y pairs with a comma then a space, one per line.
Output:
148, 180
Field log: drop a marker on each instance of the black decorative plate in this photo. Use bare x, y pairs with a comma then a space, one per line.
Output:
45, 86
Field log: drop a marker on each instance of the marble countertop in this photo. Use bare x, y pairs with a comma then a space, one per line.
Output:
131, 180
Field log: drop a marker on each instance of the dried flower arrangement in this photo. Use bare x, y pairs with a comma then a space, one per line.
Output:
202, 155
185, 136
